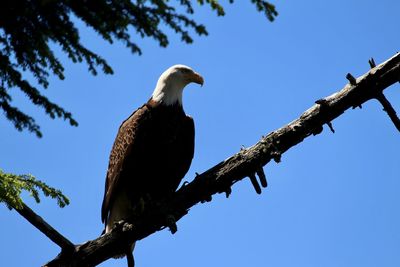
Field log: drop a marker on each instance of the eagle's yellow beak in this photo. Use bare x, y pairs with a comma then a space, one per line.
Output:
197, 78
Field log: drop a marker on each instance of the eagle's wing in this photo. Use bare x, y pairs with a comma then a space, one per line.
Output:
186, 146
127, 138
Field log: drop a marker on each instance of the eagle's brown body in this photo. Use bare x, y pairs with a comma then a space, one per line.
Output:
151, 154
152, 151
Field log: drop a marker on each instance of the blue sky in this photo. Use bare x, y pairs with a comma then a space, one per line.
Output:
332, 201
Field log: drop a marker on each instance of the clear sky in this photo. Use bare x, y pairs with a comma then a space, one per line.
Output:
334, 199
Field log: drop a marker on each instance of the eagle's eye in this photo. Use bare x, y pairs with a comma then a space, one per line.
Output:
185, 71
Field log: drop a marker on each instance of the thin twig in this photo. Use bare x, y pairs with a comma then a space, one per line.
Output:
389, 110
255, 183
352, 80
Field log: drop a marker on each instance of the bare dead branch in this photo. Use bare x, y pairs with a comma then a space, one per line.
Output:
262, 177
45, 228
255, 183
389, 110
372, 63
351, 79
221, 177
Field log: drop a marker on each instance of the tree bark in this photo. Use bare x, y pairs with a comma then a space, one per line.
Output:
246, 163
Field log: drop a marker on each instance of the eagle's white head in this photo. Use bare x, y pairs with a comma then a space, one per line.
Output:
170, 85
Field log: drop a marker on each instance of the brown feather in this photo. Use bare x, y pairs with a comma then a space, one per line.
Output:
151, 154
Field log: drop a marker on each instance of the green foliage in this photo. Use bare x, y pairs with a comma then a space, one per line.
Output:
27, 28
12, 185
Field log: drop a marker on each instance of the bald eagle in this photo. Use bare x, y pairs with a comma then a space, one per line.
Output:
153, 149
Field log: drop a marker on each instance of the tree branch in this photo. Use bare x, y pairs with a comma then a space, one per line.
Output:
387, 107
45, 228
245, 163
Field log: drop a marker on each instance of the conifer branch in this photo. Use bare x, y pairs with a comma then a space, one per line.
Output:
27, 28
11, 186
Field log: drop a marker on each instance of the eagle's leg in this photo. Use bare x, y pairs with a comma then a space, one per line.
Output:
129, 257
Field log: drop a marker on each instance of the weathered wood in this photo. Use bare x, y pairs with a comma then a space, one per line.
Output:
221, 177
